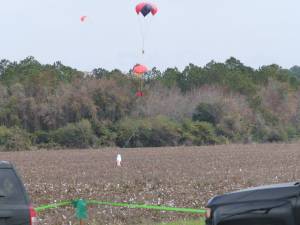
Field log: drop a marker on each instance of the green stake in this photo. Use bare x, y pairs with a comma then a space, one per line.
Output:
81, 209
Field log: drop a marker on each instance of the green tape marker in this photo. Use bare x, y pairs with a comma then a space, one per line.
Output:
81, 206
153, 207
53, 206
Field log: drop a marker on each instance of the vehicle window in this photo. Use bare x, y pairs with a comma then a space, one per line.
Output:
10, 188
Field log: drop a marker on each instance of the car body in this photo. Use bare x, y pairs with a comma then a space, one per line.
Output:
266, 205
15, 207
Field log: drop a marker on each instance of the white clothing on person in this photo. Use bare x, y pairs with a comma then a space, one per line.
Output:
119, 159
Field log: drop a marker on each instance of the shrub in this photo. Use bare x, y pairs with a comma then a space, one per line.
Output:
277, 135
105, 133
210, 113
235, 128
264, 133
40, 137
291, 132
14, 139
163, 132
148, 132
200, 133
75, 135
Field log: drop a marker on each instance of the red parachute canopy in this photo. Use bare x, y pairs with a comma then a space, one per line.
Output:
145, 8
140, 69
82, 18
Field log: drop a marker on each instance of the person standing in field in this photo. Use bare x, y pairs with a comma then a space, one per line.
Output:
119, 160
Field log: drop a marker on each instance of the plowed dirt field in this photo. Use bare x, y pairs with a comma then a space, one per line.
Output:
179, 177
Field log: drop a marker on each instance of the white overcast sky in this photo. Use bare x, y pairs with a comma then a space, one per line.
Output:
258, 32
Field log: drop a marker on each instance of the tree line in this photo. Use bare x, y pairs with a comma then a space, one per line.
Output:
56, 106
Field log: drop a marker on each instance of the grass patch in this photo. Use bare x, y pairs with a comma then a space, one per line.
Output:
186, 222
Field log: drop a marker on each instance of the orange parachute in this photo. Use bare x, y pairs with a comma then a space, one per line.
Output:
139, 70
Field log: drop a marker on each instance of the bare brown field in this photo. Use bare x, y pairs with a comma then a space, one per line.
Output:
180, 177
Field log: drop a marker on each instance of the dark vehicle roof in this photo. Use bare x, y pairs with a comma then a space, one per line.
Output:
5, 165
14, 202
262, 193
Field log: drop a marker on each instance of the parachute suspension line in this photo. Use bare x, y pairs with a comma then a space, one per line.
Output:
141, 85
143, 34
143, 10
139, 71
